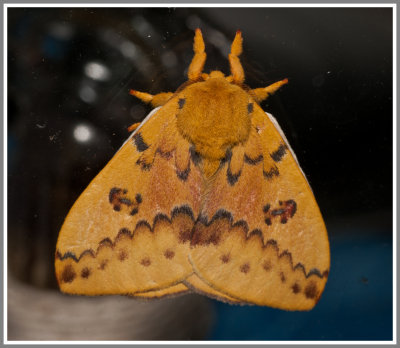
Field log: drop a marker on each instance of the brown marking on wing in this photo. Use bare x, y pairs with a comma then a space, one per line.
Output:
68, 274
169, 254
85, 273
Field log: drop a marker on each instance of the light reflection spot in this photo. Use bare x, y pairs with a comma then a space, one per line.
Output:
88, 94
97, 71
82, 133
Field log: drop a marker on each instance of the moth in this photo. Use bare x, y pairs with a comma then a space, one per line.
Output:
205, 196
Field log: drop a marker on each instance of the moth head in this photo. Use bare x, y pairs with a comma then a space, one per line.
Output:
213, 111
237, 73
195, 74
214, 114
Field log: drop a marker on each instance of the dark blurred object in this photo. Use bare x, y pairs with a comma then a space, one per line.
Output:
36, 314
69, 73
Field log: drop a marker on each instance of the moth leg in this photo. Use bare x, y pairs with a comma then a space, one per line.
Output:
132, 127
260, 94
155, 100
236, 67
197, 64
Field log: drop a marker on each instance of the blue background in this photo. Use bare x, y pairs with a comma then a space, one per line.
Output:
356, 303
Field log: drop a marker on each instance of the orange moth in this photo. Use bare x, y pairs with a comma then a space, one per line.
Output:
206, 196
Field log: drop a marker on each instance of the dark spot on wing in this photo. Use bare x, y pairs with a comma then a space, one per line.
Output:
164, 154
181, 102
85, 273
169, 254
286, 210
195, 156
245, 268
267, 265
113, 193
118, 198
143, 165
276, 212
311, 290
146, 262
68, 274
139, 142
122, 255
232, 178
253, 161
296, 288
278, 154
183, 175
125, 201
225, 258
269, 174
291, 206
103, 264
227, 158
138, 198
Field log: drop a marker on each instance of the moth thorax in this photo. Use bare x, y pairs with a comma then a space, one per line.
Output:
213, 115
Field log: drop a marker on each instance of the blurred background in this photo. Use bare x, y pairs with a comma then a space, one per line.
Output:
69, 74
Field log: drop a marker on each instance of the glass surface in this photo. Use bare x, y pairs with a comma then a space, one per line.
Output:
69, 75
